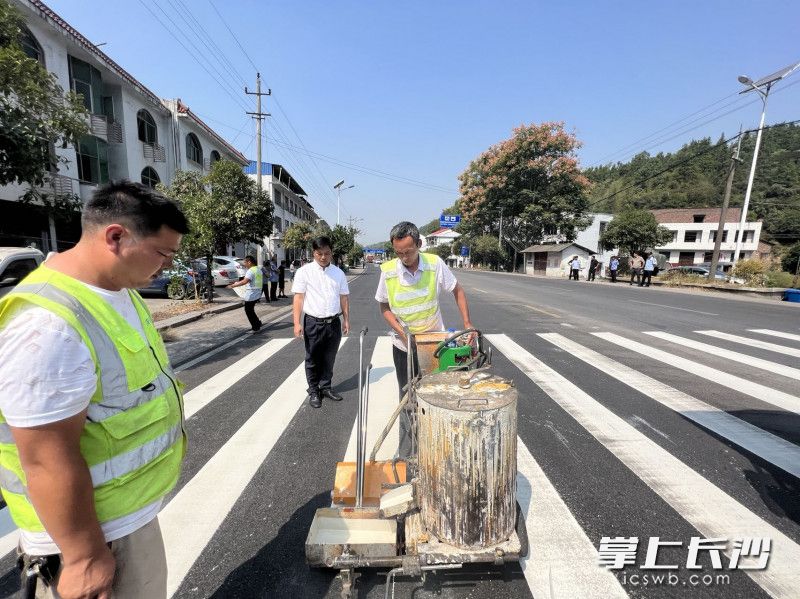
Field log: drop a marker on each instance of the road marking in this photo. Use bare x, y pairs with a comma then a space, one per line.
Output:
702, 504
189, 521
535, 309
568, 325
787, 371
674, 308
479, 289
781, 349
769, 447
383, 398
209, 390
780, 334
785, 401
562, 561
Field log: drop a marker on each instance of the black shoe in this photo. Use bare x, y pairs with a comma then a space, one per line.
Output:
314, 400
257, 329
330, 394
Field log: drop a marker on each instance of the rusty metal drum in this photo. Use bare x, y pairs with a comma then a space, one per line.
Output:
468, 457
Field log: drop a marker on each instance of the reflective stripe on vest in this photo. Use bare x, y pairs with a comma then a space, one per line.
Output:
133, 439
257, 282
417, 305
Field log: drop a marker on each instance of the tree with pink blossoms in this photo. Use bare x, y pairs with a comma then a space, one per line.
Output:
534, 179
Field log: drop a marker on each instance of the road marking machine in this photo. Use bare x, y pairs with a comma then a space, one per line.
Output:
452, 500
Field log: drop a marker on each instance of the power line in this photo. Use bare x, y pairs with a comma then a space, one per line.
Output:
233, 35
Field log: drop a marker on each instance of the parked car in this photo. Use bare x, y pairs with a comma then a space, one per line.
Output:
15, 264
703, 271
161, 284
231, 262
224, 272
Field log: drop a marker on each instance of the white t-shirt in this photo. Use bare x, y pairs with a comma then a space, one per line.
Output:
250, 292
48, 375
445, 281
322, 288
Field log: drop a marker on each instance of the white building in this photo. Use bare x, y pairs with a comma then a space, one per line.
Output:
133, 134
446, 237
552, 259
289, 206
694, 231
588, 239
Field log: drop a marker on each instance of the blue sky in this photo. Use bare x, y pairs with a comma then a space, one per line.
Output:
418, 89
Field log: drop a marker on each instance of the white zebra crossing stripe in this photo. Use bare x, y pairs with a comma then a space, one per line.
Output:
213, 491
562, 561
787, 371
781, 349
769, 447
209, 390
383, 399
785, 401
780, 334
706, 507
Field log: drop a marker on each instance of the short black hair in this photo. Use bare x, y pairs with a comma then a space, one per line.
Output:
321, 242
142, 209
404, 229
250, 259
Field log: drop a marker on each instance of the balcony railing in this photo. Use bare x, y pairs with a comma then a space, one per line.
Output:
98, 126
154, 152
115, 132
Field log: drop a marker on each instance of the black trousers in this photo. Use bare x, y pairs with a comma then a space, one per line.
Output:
273, 290
573, 273
636, 272
646, 276
613, 276
591, 274
281, 287
322, 343
401, 369
250, 311
265, 292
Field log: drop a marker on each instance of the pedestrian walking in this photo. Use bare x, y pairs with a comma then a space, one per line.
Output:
637, 264
91, 412
273, 281
320, 298
574, 268
292, 269
282, 279
253, 284
649, 266
408, 293
593, 264
266, 272
613, 267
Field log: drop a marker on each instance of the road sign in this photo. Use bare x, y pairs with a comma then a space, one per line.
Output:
449, 220
464, 250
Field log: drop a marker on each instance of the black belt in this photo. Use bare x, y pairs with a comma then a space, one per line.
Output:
326, 320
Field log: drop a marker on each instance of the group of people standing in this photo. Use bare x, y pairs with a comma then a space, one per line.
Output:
643, 266
268, 281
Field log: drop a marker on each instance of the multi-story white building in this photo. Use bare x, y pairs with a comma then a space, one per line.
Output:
290, 206
133, 134
694, 231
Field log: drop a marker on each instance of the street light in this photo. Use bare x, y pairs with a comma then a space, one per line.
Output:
339, 187
762, 86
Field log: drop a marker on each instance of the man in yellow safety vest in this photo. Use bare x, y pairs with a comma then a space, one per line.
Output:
408, 293
91, 414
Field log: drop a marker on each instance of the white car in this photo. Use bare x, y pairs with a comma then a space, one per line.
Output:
15, 264
222, 270
231, 263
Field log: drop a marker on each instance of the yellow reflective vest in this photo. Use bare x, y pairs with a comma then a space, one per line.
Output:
134, 439
416, 306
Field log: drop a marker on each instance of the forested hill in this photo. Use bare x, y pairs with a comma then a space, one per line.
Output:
700, 181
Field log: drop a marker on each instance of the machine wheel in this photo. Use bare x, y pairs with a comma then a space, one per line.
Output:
348, 578
522, 532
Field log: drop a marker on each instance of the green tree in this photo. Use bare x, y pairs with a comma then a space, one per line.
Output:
320, 229
298, 236
35, 116
486, 251
343, 238
356, 253
443, 251
791, 258
634, 230
533, 179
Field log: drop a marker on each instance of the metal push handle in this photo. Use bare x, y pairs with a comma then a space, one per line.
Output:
360, 422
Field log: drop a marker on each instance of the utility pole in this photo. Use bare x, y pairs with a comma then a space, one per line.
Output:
259, 117
721, 227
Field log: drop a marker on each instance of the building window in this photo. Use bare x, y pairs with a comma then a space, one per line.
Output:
699, 218
724, 235
92, 160
277, 198
214, 156
150, 177
287, 223
692, 236
277, 222
708, 256
674, 237
147, 127
194, 151
30, 46
686, 258
87, 82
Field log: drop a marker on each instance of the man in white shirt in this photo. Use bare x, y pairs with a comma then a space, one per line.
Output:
320, 297
253, 285
408, 273
64, 378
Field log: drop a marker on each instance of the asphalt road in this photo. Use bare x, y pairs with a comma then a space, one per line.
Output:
621, 433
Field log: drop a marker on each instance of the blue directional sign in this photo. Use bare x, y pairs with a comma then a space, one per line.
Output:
464, 250
449, 220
